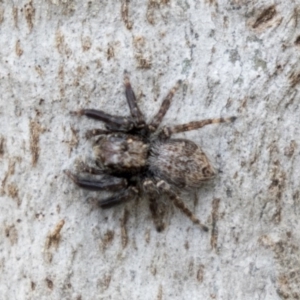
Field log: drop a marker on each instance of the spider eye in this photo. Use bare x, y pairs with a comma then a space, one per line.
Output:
208, 172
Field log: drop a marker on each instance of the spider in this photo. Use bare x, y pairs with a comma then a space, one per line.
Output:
133, 156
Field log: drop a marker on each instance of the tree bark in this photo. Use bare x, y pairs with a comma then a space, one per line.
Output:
235, 58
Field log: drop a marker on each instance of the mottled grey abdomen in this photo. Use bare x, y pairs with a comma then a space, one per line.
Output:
180, 162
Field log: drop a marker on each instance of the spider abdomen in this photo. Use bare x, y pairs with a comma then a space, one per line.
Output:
180, 162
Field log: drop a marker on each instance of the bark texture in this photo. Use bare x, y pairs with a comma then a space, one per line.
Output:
236, 58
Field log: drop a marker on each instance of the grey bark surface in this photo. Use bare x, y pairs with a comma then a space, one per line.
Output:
236, 58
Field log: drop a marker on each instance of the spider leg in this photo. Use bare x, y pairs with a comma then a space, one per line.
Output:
157, 213
112, 122
94, 132
166, 132
163, 108
123, 196
105, 183
165, 187
85, 168
132, 103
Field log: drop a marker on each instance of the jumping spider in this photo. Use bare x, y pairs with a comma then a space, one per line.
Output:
134, 156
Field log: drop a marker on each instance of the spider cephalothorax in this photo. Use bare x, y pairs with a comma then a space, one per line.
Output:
133, 156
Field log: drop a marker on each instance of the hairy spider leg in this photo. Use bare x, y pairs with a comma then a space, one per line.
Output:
85, 168
132, 103
156, 211
166, 132
112, 122
165, 187
105, 183
123, 196
96, 131
163, 108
